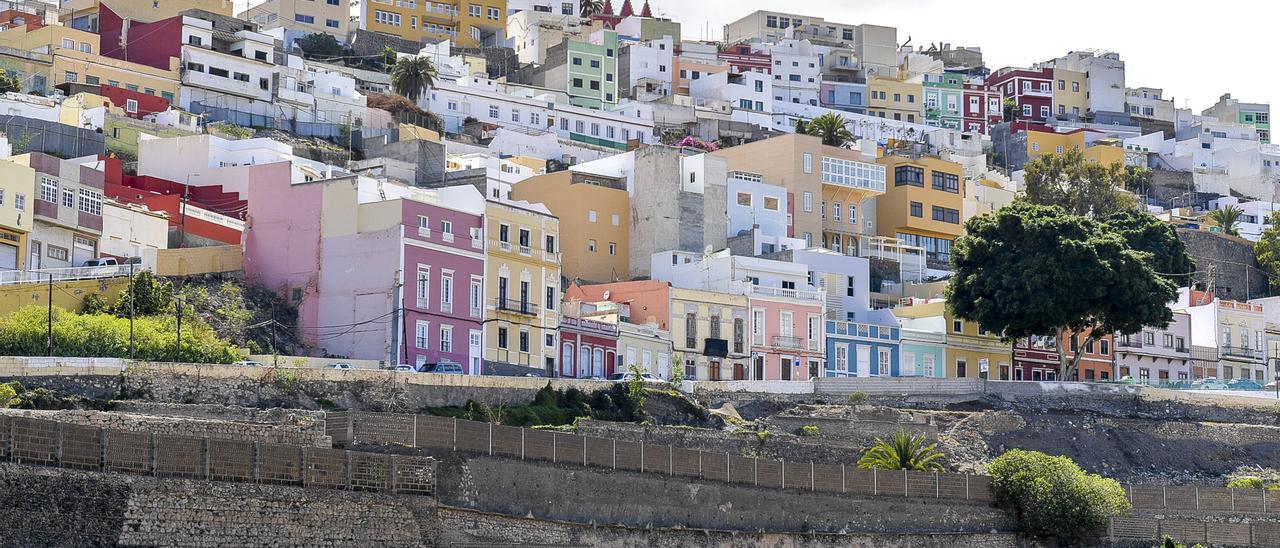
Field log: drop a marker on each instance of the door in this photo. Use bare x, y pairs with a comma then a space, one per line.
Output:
786, 368
664, 366
739, 371
584, 362
813, 369
34, 262
928, 365
83, 249
863, 365
474, 351
715, 371
8, 257
597, 363
759, 366
566, 361
524, 297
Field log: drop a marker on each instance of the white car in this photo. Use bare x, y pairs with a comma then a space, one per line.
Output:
247, 363
405, 368
340, 365
629, 376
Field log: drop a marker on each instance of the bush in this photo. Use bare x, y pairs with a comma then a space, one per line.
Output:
1246, 483
808, 430
858, 398
23, 333
1053, 497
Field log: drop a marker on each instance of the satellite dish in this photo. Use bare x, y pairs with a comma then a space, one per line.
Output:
606, 295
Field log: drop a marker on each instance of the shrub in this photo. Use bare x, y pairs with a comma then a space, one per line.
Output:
903, 451
1053, 497
764, 435
8, 395
808, 430
858, 398
23, 333
1248, 482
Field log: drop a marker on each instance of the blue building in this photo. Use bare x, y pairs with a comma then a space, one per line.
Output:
923, 352
862, 350
846, 96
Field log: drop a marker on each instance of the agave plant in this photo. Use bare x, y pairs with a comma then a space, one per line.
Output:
903, 451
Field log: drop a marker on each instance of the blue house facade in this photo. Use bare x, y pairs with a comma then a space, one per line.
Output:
923, 354
862, 350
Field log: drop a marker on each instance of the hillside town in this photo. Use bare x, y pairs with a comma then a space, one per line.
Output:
555, 273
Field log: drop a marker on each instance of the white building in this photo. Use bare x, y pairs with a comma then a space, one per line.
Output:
1150, 103
728, 91
649, 66
129, 230
1105, 73
797, 70
239, 78
313, 93
500, 173
531, 32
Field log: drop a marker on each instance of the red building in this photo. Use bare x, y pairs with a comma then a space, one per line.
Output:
135, 103
210, 216
151, 44
741, 59
1035, 359
1097, 358
1031, 91
588, 348
982, 108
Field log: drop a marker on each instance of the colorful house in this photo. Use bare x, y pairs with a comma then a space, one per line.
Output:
971, 351
1155, 355
944, 100
923, 204
589, 348
924, 348
1031, 91
1035, 358
522, 282
1097, 357
862, 350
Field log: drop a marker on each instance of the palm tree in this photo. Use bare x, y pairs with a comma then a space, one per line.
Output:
411, 75
903, 451
591, 7
1227, 218
830, 127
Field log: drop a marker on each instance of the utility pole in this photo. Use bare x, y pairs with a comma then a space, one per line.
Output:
133, 301
49, 338
177, 306
186, 192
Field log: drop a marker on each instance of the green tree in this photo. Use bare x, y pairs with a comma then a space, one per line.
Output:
1077, 185
1053, 497
1227, 218
320, 44
10, 83
636, 386
1138, 179
591, 7
23, 332
389, 57
902, 451
1011, 111
152, 296
829, 127
1035, 270
1267, 250
1143, 232
412, 75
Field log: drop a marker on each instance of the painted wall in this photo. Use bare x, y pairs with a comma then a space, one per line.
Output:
576, 204
865, 347
431, 256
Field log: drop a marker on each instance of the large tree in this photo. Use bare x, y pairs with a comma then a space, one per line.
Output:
1144, 232
320, 44
829, 127
412, 75
1036, 270
1077, 185
1267, 250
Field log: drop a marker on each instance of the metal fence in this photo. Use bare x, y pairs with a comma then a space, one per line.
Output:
50, 443
1204, 499
1195, 532
560, 447
8, 277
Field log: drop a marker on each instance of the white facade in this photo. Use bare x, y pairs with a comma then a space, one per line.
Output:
649, 68
500, 173
311, 93
1254, 216
531, 32
1150, 103
207, 160
724, 91
128, 230
214, 78
1105, 70
756, 204
797, 71
725, 273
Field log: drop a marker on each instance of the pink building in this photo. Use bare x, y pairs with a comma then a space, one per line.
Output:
397, 280
786, 333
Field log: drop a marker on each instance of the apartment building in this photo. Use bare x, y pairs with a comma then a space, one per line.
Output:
797, 71
1103, 74
944, 100
646, 69
1253, 115
1155, 355
86, 14
586, 70
298, 18
595, 220
876, 46
522, 284
922, 205
1031, 91
895, 99
467, 23
1070, 94
1035, 358
982, 107
971, 351
66, 209
17, 221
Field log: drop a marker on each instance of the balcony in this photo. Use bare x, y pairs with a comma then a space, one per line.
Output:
813, 296
514, 306
784, 341
8, 277
1240, 352
477, 313
1129, 343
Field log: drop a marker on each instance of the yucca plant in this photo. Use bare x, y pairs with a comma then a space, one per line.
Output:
903, 451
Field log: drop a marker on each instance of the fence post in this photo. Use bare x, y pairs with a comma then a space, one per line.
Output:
102, 450
642, 456
671, 460
726, 467
937, 486
391, 474
966, 487
1233, 499
905, 487
614, 451
490, 436
415, 431
348, 468
1164, 496
57, 445
812, 483
584, 450
843, 488
875, 482
1197, 497
257, 465
455, 433
13, 440
1264, 500
553, 447
151, 443
757, 469
522, 444
784, 472
302, 458
204, 448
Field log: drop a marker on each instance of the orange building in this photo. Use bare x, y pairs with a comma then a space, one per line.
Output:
1097, 360
649, 300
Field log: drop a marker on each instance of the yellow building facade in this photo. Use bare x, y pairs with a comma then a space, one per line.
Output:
522, 277
923, 203
1104, 151
896, 99
17, 194
969, 348
74, 57
595, 221
700, 315
1070, 93
465, 22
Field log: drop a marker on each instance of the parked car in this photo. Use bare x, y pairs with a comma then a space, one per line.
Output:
340, 365
101, 261
629, 376
247, 363
443, 368
1270, 386
1243, 384
406, 368
1209, 383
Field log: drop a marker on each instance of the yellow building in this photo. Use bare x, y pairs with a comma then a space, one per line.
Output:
17, 194
302, 17
700, 315
595, 218
467, 23
896, 99
968, 347
84, 13
1105, 151
522, 275
923, 203
75, 58
1070, 93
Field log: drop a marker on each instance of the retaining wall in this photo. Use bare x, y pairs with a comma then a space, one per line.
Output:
309, 431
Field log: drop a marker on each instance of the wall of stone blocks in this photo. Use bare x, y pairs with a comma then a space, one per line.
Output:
307, 430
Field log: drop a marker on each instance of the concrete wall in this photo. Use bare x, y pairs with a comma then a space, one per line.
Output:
308, 432
199, 260
1236, 274
67, 295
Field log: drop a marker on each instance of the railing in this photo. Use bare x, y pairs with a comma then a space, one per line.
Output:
63, 274
477, 313
524, 250
1187, 532
1240, 352
783, 341
1128, 343
590, 325
32, 441
798, 294
484, 438
514, 305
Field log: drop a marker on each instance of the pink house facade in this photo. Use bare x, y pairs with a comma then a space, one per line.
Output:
395, 280
786, 333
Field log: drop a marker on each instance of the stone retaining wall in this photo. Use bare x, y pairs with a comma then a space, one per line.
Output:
305, 430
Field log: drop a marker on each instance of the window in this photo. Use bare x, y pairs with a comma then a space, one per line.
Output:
917, 209
68, 198
86, 47
308, 19
591, 245
744, 199
92, 80
493, 111
1026, 110
613, 248
424, 287
835, 211
131, 106
1075, 87
19, 201
68, 43
90, 202
70, 76
214, 71
551, 297
957, 326
446, 291
808, 202
808, 162
421, 339
502, 337
946, 182
771, 203
853, 214
1104, 347
908, 175
446, 338
946, 215
48, 190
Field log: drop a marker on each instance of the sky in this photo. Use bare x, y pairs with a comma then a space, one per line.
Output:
1193, 51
